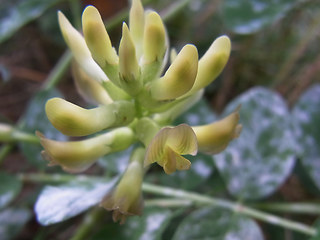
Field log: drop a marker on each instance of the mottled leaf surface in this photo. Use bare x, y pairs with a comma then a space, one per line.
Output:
306, 113
149, 226
258, 162
217, 224
58, 203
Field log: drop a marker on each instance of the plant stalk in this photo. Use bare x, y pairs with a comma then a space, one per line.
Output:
181, 198
234, 207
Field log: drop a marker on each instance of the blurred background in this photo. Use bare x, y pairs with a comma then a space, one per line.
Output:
275, 44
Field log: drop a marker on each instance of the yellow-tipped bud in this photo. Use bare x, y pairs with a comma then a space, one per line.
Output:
215, 137
77, 156
154, 42
97, 38
136, 24
126, 199
168, 145
128, 65
180, 76
73, 120
212, 63
79, 49
89, 89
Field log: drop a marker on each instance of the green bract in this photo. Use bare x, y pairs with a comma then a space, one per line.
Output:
137, 102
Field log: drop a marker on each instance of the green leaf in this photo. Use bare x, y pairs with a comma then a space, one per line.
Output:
306, 113
249, 16
12, 220
150, 225
258, 162
16, 14
217, 224
35, 119
10, 187
58, 203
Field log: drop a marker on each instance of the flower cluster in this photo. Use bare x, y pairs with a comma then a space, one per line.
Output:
137, 99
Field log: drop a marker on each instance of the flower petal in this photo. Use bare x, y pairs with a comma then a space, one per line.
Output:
91, 90
73, 120
168, 145
97, 38
212, 63
180, 76
79, 49
215, 137
77, 156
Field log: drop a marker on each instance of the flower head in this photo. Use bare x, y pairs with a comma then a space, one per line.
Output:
137, 102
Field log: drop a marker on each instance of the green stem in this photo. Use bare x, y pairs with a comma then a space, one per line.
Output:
168, 202
10, 134
299, 208
234, 207
182, 198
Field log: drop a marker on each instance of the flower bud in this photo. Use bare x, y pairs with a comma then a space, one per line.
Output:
155, 44
97, 38
215, 137
212, 63
77, 156
128, 65
89, 89
73, 120
136, 24
126, 199
180, 76
79, 49
168, 145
